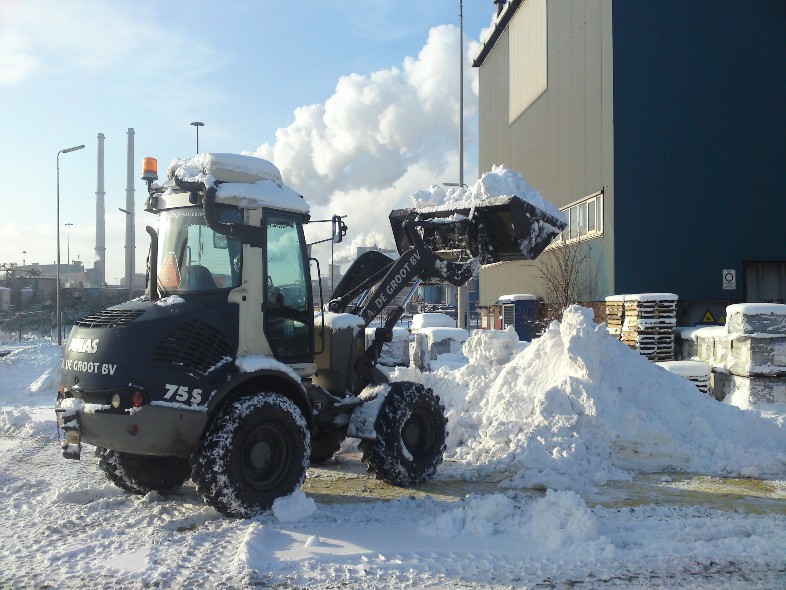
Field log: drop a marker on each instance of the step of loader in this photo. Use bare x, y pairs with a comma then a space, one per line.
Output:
499, 229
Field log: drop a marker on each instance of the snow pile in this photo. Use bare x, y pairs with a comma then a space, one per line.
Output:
264, 193
224, 167
13, 419
258, 362
30, 371
558, 520
493, 347
338, 321
499, 182
296, 506
364, 418
578, 408
246, 181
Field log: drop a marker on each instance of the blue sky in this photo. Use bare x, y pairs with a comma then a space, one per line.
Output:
355, 102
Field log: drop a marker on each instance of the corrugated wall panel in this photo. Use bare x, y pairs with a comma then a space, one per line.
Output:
528, 58
563, 141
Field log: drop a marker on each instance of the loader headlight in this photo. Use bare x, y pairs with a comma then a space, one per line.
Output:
116, 401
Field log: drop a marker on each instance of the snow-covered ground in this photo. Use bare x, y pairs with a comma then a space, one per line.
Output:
572, 461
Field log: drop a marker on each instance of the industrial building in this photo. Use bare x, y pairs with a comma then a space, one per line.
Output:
659, 127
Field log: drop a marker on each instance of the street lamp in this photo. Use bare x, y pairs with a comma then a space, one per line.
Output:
461, 92
57, 296
68, 253
463, 292
198, 124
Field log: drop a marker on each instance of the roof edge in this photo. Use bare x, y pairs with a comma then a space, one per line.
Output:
500, 24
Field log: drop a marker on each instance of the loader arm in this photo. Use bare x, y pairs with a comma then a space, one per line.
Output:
391, 278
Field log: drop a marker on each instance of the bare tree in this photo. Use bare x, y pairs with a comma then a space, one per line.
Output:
568, 274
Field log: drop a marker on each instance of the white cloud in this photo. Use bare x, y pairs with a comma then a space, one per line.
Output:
378, 138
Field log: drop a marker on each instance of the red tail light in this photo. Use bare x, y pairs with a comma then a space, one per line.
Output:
137, 399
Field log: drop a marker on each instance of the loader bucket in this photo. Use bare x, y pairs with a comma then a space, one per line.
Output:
499, 229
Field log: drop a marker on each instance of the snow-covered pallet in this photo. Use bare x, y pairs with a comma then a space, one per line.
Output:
430, 343
615, 314
748, 355
769, 390
756, 319
648, 323
695, 372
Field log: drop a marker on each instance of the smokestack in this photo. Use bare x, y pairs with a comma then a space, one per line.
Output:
130, 214
99, 266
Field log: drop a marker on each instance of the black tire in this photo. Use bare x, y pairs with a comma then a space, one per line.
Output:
411, 431
325, 444
256, 449
141, 474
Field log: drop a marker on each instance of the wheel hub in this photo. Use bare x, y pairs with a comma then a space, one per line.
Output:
264, 457
260, 455
418, 434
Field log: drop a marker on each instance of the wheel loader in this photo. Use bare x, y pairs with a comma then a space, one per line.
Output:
223, 372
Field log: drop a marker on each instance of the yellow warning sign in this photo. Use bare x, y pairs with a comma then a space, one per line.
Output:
708, 318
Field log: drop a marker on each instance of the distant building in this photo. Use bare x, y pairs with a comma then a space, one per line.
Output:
659, 127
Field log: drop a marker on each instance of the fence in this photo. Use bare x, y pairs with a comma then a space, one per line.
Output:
27, 324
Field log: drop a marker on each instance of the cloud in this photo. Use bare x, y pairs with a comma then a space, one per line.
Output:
378, 138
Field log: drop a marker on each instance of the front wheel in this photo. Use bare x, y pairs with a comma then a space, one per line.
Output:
256, 450
140, 474
411, 432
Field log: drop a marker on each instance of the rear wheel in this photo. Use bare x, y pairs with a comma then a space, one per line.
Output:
141, 474
411, 432
256, 450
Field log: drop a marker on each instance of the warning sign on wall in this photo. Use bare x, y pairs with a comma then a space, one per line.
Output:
729, 279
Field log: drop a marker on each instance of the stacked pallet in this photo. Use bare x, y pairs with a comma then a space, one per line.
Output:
615, 314
648, 326
750, 361
696, 372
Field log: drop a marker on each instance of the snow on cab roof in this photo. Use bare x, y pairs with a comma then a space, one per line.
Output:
498, 182
245, 181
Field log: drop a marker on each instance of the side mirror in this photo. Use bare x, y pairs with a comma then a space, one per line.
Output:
219, 241
339, 229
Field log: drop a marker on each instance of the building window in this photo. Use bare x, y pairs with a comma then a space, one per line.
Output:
585, 220
528, 57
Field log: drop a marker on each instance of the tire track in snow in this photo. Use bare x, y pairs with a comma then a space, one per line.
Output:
206, 555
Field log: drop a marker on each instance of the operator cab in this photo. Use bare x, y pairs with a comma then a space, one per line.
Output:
270, 282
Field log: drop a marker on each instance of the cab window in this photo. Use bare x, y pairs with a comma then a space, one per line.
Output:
288, 309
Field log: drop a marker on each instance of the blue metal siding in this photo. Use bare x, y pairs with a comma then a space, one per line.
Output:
699, 142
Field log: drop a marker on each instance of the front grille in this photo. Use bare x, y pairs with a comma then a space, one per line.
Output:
195, 345
110, 318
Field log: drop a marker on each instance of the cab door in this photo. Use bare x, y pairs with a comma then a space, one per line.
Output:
288, 307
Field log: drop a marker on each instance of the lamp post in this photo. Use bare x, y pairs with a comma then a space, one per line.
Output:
198, 124
57, 296
68, 252
462, 303
461, 92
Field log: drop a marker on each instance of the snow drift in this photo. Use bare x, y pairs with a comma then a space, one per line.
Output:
577, 408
